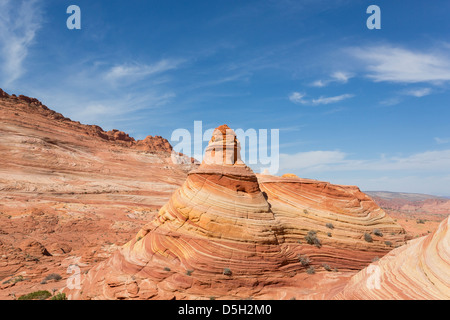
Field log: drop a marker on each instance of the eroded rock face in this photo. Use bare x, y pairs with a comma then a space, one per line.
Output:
76, 189
229, 233
419, 270
33, 248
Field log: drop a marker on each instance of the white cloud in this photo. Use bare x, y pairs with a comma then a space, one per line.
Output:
421, 92
321, 161
342, 77
297, 97
391, 101
137, 71
319, 83
311, 161
19, 22
394, 64
328, 100
442, 140
339, 76
425, 172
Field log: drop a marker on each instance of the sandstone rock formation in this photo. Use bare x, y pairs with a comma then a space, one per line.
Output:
229, 233
75, 189
419, 270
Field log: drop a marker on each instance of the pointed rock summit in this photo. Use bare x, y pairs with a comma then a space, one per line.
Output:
223, 149
229, 233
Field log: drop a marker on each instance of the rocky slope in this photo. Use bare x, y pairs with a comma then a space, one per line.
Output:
71, 192
228, 233
419, 214
418, 271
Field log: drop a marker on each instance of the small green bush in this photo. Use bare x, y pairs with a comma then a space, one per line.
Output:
59, 296
37, 295
227, 272
377, 232
304, 260
14, 280
311, 238
330, 225
311, 270
189, 272
368, 237
420, 221
53, 276
326, 267
388, 243
166, 269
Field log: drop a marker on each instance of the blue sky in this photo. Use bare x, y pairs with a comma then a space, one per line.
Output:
353, 105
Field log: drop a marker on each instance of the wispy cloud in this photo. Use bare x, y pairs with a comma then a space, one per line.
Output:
328, 100
425, 172
321, 161
137, 71
299, 98
391, 101
418, 93
442, 140
395, 64
339, 77
19, 22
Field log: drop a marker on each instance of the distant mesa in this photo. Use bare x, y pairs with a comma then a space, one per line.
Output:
229, 233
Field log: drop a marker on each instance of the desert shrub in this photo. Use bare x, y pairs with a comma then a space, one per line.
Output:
330, 225
59, 296
227, 272
326, 267
304, 260
368, 237
311, 270
14, 280
329, 234
305, 211
53, 276
189, 272
166, 269
335, 270
37, 295
377, 232
312, 239
375, 259
388, 243
420, 221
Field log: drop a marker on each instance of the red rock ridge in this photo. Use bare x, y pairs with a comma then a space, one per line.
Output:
149, 144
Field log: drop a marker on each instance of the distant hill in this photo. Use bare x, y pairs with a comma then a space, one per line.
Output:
387, 195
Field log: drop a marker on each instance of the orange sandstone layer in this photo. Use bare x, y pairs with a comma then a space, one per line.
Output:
73, 191
419, 270
227, 233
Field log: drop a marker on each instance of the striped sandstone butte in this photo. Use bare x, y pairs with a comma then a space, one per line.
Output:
229, 233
